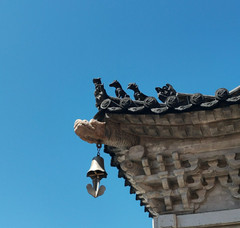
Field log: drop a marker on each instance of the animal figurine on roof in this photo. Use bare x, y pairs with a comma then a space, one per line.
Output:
120, 93
97, 81
99, 93
165, 92
139, 96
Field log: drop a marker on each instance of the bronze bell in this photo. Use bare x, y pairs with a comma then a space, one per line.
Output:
97, 168
96, 173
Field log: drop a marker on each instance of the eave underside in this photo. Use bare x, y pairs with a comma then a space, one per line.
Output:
181, 160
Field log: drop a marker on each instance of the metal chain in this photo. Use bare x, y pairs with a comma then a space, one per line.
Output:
99, 146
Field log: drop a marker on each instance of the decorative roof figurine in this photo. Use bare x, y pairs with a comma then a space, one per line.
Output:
139, 96
120, 93
100, 93
165, 92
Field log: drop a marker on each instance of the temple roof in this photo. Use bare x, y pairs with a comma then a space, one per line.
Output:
180, 154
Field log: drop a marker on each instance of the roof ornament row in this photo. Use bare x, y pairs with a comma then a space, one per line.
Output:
170, 99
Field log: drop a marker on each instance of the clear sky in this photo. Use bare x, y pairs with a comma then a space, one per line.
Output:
50, 51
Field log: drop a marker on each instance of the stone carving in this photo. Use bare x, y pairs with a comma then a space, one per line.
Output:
99, 132
92, 131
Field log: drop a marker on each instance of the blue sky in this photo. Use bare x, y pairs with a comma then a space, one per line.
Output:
49, 53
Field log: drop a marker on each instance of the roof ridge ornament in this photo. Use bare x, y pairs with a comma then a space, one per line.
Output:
120, 93
138, 95
171, 101
165, 92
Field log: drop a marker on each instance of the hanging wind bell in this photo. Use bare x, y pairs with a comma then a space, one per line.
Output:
96, 172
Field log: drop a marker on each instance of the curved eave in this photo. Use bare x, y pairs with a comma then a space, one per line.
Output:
208, 103
219, 126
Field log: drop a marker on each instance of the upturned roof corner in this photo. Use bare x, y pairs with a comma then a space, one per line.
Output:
179, 154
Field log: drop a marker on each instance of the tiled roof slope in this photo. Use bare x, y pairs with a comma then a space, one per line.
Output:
169, 101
